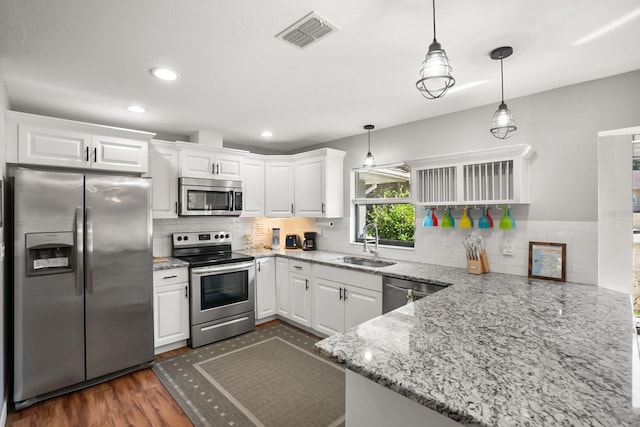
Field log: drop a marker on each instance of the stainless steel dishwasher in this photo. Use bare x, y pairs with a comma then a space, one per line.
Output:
398, 292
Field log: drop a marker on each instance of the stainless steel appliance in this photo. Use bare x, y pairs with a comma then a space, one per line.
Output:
398, 292
292, 241
309, 243
205, 197
222, 285
82, 270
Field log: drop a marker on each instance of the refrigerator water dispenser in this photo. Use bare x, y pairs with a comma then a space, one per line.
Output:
49, 253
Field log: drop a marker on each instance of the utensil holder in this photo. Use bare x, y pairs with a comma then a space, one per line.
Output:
474, 266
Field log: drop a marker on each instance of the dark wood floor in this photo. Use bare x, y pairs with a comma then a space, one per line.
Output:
138, 399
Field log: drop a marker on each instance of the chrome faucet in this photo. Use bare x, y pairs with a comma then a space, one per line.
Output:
364, 231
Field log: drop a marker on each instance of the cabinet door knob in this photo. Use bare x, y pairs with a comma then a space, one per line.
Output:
292, 208
95, 154
176, 207
86, 153
323, 207
306, 284
258, 265
345, 294
186, 291
340, 293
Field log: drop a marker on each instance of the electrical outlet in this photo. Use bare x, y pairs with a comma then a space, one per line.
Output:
507, 247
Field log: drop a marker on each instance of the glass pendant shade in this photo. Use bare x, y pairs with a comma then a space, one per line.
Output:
435, 75
503, 125
369, 161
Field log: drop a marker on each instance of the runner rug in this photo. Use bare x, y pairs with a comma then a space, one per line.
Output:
269, 377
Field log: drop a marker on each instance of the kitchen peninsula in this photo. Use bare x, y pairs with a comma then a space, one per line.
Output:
492, 350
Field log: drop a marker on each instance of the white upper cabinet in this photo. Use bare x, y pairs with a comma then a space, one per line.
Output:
47, 141
319, 184
163, 170
254, 185
497, 175
211, 163
111, 153
279, 187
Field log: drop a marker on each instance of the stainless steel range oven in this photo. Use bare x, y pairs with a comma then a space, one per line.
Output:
222, 286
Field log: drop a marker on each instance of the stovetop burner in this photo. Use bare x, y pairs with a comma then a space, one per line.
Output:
206, 248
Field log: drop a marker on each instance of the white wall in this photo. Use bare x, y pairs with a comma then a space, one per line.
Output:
562, 125
4, 105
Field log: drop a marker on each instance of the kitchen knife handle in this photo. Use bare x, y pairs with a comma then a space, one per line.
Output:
79, 251
89, 258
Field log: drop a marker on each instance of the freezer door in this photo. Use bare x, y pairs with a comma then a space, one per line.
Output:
48, 306
118, 279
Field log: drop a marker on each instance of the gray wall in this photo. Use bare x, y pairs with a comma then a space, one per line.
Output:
561, 124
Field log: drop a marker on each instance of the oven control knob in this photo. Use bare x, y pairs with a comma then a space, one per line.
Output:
216, 236
186, 238
179, 238
226, 236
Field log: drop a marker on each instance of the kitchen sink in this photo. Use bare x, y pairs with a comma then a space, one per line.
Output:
367, 262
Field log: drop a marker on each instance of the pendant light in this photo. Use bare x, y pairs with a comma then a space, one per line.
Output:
435, 75
369, 161
503, 125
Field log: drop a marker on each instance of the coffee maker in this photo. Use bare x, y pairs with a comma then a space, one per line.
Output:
309, 243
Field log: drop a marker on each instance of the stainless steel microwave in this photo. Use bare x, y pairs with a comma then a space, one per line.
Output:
205, 197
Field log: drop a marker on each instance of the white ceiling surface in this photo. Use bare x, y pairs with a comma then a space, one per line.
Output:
88, 59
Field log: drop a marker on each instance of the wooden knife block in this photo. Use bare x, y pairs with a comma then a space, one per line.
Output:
478, 266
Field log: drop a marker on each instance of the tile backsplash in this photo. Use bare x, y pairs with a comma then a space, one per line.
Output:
258, 228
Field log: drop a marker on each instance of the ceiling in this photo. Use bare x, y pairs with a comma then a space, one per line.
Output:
88, 59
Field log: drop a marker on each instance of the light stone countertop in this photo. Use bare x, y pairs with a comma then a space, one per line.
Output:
170, 263
496, 349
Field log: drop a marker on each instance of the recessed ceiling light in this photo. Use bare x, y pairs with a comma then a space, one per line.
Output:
164, 73
266, 134
136, 109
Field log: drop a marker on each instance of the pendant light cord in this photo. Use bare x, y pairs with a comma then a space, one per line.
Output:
501, 79
434, 20
369, 139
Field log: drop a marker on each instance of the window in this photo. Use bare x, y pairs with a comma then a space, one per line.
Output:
382, 196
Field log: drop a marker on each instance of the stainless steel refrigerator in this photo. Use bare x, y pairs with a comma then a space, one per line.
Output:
83, 307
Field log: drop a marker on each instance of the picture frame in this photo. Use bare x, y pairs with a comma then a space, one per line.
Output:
547, 261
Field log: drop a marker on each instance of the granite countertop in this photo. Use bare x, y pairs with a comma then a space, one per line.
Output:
497, 349
169, 263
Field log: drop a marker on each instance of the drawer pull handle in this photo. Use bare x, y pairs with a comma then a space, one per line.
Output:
170, 277
306, 284
297, 267
340, 293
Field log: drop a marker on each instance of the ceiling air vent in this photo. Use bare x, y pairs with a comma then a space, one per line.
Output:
307, 30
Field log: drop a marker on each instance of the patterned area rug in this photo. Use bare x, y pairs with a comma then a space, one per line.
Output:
269, 377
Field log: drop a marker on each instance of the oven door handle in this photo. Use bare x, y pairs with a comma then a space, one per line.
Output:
225, 268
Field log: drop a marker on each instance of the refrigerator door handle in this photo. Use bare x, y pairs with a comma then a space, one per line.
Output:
79, 251
89, 258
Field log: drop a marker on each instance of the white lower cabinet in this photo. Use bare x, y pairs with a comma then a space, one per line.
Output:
338, 306
300, 298
282, 287
170, 308
265, 287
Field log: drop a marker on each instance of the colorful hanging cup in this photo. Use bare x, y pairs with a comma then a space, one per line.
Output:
427, 222
483, 222
505, 221
465, 221
447, 219
434, 218
489, 218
